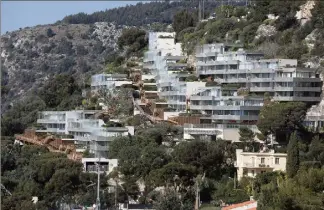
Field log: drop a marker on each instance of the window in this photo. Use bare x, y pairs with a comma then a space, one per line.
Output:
262, 160
277, 161
252, 172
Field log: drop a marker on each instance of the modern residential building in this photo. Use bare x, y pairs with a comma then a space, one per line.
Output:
85, 129
166, 62
253, 163
106, 165
108, 81
314, 119
223, 110
240, 81
281, 78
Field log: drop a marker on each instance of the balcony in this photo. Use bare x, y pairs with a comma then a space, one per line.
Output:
261, 70
214, 107
261, 89
98, 148
62, 120
171, 93
257, 79
203, 129
207, 72
199, 98
296, 98
308, 89
278, 88
284, 79
94, 169
235, 117
214, 63
252, 165
52, 130
236, 80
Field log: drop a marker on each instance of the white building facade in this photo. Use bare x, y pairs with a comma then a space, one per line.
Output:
241, 81
108, 81
252, 163
106, 165
86, 130
281, 78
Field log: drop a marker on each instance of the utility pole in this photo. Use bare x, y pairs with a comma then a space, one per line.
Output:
98, 172
197, 195
116, 193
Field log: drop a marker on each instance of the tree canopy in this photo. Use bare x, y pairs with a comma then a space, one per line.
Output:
281, 118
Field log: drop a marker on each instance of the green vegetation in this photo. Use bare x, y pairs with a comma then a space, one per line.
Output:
287, 39
247, 137
280, 119
59, 93
293, 155
33, 171
118, 103
134, 39
191, 78
152, 155
141, 14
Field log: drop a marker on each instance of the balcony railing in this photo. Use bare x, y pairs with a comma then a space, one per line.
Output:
50, 120
98, 148
255, 165
52, 130
235, 117
297, 98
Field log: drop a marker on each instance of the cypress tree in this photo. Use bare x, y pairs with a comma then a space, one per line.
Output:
293, 155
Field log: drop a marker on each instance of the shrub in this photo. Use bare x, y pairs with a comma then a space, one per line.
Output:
50, 32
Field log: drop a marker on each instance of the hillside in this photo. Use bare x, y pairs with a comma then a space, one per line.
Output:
32, 55
79, 45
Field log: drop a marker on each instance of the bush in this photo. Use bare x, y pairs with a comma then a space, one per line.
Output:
211, 84
50, 32
64, 47
135, 39
295, 50
191, 78
131, 64
81, 50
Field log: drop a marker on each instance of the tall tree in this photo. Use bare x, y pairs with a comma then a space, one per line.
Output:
293, 155
246, 136
281, 118
183, 20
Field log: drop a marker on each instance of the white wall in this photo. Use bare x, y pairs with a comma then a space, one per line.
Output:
112, 162
191, 87
251, 162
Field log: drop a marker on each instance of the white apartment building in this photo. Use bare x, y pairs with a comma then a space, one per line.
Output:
281, 78
242, 79
252, 163
223, 111
108, 81
86, 130
166, 62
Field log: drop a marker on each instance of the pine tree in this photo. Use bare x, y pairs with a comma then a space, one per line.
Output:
293, 155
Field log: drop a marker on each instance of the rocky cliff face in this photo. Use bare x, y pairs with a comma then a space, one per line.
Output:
305, 12
29, 56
